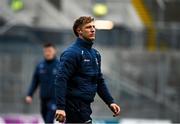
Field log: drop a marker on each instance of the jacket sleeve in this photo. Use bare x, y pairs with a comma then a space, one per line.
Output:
66, 68
102, 89
34, 83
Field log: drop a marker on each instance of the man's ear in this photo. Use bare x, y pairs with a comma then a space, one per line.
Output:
79, 31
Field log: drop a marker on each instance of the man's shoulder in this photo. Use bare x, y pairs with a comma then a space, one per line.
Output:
96, 51
72, 50
40, 64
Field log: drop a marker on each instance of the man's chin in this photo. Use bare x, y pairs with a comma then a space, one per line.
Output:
89, 38
92, 38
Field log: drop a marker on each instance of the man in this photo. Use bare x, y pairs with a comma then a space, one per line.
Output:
79, 77
43, 77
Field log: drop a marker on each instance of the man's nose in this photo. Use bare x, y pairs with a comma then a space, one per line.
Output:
93, 29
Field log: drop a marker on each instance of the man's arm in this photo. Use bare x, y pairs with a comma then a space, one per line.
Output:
33, 86
104, 93
67, 66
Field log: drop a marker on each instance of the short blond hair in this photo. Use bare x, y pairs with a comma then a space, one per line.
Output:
80, 22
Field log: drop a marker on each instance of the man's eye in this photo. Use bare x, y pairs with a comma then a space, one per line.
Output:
88, 27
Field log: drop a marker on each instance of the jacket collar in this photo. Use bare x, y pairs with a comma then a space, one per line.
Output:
50, 61
83, 43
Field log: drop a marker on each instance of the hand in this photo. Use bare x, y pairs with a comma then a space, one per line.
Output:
28, 99
115, 109
60, 116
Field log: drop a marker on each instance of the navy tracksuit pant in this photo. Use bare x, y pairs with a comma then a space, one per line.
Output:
77, 111
48, 108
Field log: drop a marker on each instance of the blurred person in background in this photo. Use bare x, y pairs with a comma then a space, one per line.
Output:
43, 77
79, 77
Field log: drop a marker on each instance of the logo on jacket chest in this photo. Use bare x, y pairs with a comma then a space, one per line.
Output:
89, 59
54, 71
47, 70
97, 63
42, 69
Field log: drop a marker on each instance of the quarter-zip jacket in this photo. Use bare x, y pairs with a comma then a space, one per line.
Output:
44, 76
79, 75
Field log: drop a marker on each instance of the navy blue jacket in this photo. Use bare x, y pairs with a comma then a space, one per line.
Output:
44, 76
79, 75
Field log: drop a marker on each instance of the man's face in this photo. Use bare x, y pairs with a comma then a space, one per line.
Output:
87, 31
49, 53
